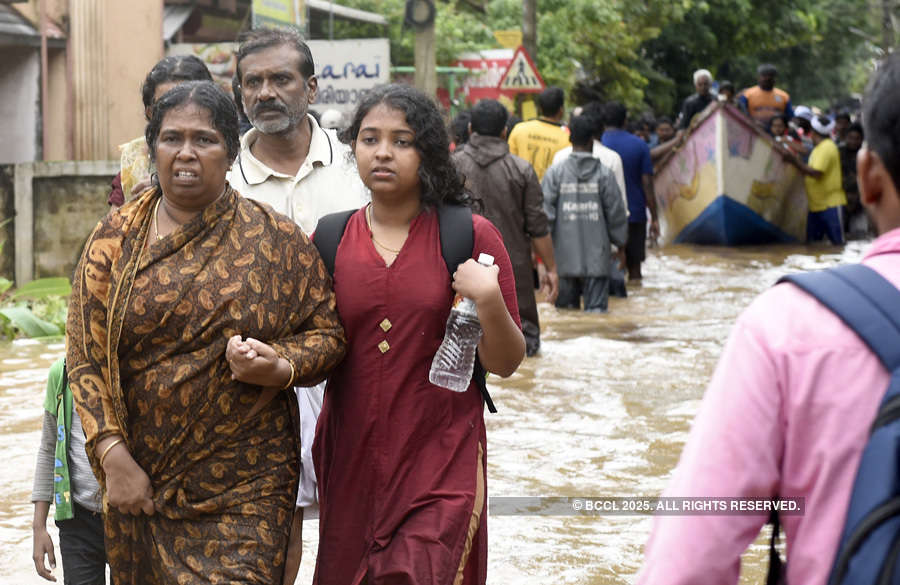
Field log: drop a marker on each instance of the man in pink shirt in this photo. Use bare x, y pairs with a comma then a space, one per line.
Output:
789, 407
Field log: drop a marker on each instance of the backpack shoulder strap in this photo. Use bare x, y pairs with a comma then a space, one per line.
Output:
457, 235
328, 234
457, 244
864, 300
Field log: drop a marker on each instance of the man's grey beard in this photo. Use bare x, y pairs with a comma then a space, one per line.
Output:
285, 122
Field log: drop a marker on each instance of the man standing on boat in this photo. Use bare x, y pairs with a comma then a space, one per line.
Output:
790, 406
824, 185
697, 102
639, 191
764, 100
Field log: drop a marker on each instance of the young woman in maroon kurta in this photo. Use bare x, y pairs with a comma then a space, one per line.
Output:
401, 462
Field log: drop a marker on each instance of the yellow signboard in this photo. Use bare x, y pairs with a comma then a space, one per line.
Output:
508, 39
279, 13
529, 111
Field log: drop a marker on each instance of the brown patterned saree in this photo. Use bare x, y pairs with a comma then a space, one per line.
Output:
148, 325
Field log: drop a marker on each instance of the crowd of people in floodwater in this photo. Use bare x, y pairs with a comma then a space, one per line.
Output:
252, 325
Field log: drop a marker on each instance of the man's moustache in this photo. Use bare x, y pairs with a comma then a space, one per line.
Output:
259, 109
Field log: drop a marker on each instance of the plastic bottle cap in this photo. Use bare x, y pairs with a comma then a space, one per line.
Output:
485, 259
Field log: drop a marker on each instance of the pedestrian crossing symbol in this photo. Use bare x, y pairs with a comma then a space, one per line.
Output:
522, 76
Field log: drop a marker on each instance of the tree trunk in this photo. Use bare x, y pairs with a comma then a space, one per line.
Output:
529, 27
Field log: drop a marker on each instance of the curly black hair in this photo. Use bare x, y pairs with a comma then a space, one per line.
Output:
440, 182
204, 94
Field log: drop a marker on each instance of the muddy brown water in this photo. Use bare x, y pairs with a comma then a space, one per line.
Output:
602, 412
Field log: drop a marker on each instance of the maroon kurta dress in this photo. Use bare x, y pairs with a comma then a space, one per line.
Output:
401, 462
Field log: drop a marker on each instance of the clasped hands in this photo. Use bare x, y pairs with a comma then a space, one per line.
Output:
254, 362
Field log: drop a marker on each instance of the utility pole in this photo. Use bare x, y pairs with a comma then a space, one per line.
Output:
421, 14
426, 61
529, 27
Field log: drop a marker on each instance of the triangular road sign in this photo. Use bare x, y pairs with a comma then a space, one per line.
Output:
522, 76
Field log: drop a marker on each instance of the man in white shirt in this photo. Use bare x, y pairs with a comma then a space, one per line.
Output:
303, 171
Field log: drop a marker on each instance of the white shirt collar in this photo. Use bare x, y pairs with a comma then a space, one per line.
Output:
321, 153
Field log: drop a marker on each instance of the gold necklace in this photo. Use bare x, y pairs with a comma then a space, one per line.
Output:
156, 219
372, 232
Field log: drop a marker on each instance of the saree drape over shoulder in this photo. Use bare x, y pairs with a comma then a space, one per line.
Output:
147, 331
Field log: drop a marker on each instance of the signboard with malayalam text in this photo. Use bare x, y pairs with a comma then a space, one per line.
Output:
347, 69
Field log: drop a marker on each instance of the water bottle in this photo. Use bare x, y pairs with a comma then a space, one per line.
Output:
455, 358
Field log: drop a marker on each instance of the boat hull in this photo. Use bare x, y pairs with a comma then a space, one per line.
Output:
728, 185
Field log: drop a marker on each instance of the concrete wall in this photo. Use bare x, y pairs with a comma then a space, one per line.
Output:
20, 74
7, 230
57, 204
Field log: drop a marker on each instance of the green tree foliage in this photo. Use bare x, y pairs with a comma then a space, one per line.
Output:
817, 45
457, 29
643, 53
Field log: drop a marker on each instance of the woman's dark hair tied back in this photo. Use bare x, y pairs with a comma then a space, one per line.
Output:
206, 95
440, 182
173, 68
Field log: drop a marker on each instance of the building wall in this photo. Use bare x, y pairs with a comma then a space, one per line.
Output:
20, 70
56, 108
134, 45
113, 45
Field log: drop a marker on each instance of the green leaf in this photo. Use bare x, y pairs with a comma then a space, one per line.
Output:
43, 287
23, 319
5, 285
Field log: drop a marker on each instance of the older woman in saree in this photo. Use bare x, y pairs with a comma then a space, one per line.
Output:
194, 311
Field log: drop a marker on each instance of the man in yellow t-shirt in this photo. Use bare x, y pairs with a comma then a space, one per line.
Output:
824, 186
538, 140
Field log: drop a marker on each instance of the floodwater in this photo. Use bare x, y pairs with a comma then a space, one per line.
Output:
603, 412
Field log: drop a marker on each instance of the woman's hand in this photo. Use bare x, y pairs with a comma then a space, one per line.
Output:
502, 345
255, 362
477, 282
127, 485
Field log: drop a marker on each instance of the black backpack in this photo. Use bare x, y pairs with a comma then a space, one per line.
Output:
457, 241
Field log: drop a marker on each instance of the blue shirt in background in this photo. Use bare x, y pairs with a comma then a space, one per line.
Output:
635, 162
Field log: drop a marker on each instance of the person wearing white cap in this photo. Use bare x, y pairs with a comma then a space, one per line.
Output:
824, 186
801, 121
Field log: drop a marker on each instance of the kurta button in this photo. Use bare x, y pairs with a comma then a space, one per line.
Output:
384, 346
385, 325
